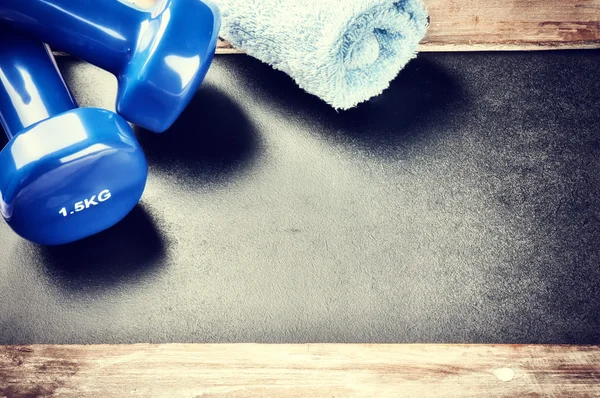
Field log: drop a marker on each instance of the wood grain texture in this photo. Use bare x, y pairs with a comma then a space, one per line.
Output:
322, 370
483, 25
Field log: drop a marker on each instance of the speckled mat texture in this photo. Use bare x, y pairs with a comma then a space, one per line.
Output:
462, 205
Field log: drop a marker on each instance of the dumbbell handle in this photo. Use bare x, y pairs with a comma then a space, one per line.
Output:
104, 30
31, 87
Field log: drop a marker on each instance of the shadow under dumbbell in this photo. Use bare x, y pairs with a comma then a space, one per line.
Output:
211, 142
125, 253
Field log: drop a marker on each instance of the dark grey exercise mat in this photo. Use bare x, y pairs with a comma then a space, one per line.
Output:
462, 205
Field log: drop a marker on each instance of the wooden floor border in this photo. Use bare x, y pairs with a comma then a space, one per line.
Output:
314, 370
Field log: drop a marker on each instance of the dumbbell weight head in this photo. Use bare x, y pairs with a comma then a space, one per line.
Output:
159, 55
70, 176
67, 172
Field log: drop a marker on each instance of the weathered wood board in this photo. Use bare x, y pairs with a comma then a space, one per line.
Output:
321, 370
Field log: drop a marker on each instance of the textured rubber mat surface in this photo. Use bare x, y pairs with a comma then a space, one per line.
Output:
462, 205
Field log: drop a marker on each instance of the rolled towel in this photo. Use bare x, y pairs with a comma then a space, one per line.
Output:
343, 51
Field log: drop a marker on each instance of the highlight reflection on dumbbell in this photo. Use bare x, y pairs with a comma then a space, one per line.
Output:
67, 172
160, 56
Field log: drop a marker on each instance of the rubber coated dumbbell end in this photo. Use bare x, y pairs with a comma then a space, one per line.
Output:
172, 56
70, 176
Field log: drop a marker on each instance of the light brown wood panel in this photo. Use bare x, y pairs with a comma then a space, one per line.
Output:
513, 24
319, 370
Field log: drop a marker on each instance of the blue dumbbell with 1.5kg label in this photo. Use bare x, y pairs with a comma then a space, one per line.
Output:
159, 55
67, 172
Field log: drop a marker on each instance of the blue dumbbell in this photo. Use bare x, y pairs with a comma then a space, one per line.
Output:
67, 172
160, 55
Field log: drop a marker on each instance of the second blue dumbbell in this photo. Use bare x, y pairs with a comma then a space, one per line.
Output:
160, 56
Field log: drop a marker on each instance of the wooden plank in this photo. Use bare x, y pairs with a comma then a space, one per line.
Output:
513, 24
483, 25
319, 370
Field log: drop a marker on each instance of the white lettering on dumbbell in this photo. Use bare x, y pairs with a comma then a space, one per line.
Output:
104, 195
95, 200
90, 202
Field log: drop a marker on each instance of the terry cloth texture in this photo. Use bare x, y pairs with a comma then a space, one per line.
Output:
343, 51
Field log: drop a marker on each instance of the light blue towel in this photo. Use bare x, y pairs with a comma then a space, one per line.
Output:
344, 51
